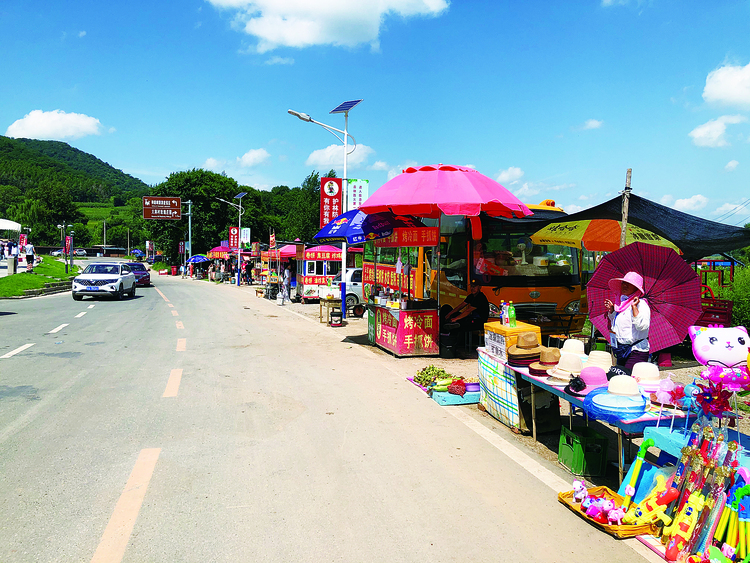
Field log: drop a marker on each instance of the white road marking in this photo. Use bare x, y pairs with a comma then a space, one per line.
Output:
92, 306
79, 315
17, 350
58, 329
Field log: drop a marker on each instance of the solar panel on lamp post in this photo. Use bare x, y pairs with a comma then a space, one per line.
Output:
341, 108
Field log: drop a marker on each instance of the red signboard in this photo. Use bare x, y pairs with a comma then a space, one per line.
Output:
67, 244
22, 240
331, 200
419, 236
272, 241
181, 247
234, 237
387, 277
162, 207
316, 280
322, 255
411, 333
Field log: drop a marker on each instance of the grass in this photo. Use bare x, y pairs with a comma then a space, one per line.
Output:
15, 285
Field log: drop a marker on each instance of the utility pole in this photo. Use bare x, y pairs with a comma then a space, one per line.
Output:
189, 249
625, 205
104, 248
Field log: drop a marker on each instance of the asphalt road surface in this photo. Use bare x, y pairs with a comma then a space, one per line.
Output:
199, 423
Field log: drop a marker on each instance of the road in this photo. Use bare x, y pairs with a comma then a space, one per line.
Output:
199, 423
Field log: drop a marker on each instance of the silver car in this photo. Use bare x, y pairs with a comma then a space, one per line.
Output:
107, 278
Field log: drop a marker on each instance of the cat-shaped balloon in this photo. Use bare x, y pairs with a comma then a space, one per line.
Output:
725, 352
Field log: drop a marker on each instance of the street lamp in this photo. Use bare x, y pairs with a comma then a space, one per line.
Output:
341, 108
63, 228
238, 207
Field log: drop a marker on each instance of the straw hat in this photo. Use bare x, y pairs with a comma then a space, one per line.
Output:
623, 385
632, 278
526, 345
548, 358
600, 359
573, 346
592, 377
569, 366
647, 375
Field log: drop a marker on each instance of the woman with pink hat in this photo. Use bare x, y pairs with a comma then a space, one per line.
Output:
629, 320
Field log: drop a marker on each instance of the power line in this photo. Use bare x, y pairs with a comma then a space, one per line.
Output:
743, 220
733, 210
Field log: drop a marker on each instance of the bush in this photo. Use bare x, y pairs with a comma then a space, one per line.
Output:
157, 266
740, 294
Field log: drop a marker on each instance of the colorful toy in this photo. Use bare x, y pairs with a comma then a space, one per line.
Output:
719, 346
579, 491
615, 516
654, 506
683, 526
630, 489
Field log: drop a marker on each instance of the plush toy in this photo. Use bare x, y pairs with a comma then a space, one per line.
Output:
615, 516
579, 491
587, 502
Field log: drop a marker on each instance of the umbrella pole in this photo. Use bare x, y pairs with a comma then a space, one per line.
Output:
625, 205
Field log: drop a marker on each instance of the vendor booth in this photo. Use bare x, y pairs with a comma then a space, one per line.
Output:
322, 264
403, 319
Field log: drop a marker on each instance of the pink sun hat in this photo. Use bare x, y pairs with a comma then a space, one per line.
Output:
632, 278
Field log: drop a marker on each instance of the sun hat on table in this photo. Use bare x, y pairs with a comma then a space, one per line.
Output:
592, 377
527, 344
647, 375
569, 366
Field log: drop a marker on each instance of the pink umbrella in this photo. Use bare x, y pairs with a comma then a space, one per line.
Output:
429, 191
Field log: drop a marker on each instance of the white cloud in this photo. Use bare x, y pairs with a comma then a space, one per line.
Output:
592, 124
280, 61
693, 203
54, 125
573, 208
300, 23
529, 189
81, 34
253, 157
731, 165
726, 208
728, 85
379, 165
333, 157
526, 191
510, 175
666, 200
213, 164
396, 170
712, 133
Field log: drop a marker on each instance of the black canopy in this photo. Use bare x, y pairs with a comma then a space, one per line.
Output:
696, 237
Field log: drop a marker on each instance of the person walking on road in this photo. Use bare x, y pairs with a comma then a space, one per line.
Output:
285, 284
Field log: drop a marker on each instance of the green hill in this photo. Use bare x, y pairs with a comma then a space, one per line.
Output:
29, 164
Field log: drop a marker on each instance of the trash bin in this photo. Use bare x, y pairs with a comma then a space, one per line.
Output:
174, 270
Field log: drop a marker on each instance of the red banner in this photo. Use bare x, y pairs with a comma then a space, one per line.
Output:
22, 240
234, 237
272, 241
331, 200
181, 247
67, 244
387, 276
418, 236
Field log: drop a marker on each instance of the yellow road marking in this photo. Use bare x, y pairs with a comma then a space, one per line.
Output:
179, 324
162, 295
181, 344
170, 305
175, 314
173, 384
117, 533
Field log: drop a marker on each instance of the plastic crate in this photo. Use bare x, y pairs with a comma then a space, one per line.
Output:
583, 451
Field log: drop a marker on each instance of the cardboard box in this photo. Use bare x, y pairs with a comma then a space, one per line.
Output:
498, 337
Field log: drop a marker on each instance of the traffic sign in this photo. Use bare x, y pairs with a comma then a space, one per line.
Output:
182, 247
162, 207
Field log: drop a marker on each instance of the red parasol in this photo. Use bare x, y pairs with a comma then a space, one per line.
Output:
429, 191
672, 290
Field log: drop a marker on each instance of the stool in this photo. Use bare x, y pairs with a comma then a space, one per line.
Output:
470, 338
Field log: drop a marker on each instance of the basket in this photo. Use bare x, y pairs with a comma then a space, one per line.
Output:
620, 532
583, 451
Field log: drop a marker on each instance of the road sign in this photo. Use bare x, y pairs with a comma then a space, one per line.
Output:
162, 207
182, 247
234, 237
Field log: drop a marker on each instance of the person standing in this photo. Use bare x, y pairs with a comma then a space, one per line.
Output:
629, 320
29, 257
285, 284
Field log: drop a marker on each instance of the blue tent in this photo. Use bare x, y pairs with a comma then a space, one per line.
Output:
136, 252
355, 227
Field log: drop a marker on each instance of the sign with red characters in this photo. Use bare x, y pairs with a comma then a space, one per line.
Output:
234, 237
387, 276
422, 236
331, 200
315, 280
67, 244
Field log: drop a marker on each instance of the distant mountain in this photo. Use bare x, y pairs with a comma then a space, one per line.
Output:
29, 164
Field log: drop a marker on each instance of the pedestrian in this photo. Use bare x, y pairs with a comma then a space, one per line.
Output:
29, 257
629, 320
211, 270
285, 284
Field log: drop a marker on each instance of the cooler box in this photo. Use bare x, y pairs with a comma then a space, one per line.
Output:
498, 337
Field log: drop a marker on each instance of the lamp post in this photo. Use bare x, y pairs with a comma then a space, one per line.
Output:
70, 254
239, 227
341, 108
62, 228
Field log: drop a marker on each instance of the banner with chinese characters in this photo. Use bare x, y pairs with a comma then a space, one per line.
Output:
255, 249
359, 191
322, 255
331, 200
407, 333
316, 280
68, 240
234, 237
421, 236
272, 241
245, 235
387, 277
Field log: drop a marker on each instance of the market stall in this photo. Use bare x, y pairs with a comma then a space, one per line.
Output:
322, 264
402, 320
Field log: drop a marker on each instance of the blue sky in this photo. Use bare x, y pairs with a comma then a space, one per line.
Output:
554, 99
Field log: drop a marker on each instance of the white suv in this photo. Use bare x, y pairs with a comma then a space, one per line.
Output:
104, 278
